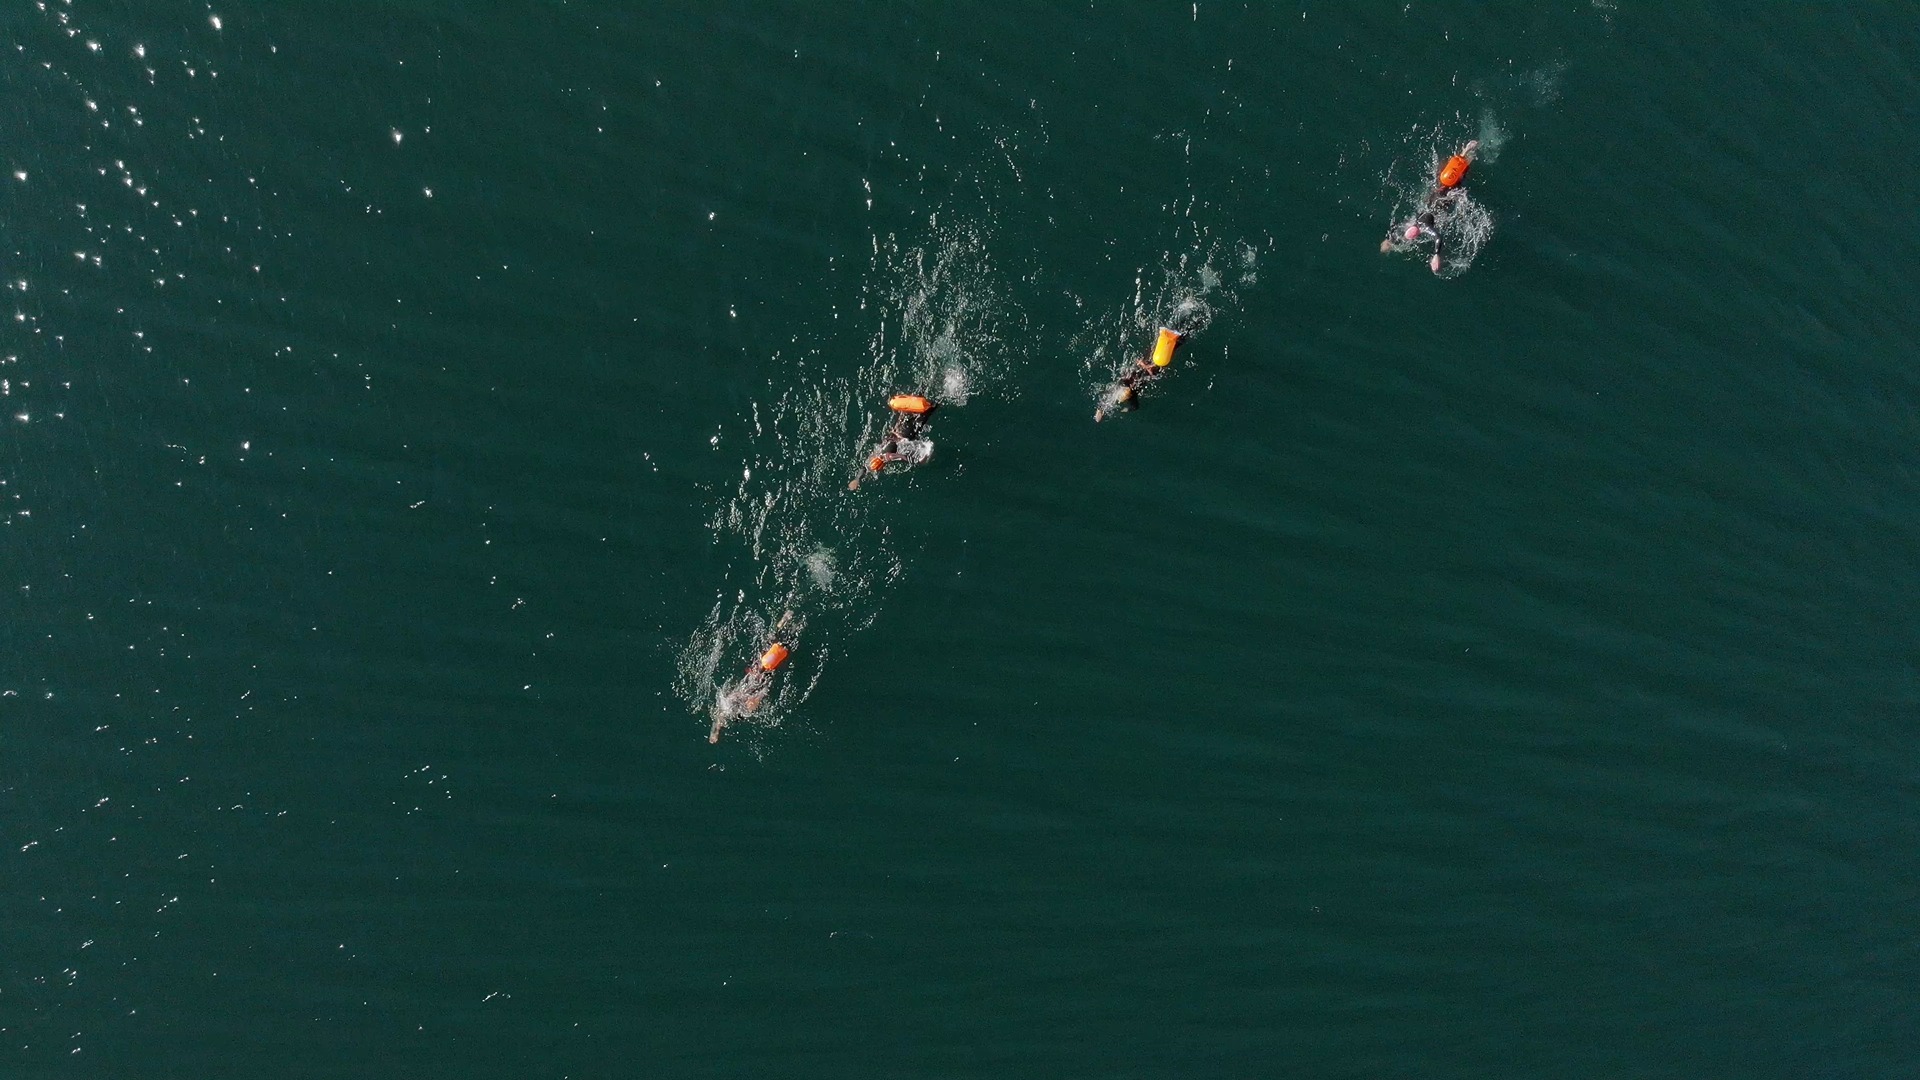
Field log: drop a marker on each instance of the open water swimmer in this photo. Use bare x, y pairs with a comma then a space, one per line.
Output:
749, 692
906, 442
1435, 209
1126, 393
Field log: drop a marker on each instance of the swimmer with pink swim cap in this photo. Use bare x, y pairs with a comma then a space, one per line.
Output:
1434, 210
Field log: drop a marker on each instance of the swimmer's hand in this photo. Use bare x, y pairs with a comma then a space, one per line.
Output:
1433, 264
1386, 246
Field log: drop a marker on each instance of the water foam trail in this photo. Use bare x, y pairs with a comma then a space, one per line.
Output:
812, 555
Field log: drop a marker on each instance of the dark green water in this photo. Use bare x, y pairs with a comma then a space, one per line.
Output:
415, 412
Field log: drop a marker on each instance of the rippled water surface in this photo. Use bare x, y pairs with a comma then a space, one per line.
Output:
417, 417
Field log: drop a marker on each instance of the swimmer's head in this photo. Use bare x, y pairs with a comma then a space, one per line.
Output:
875, 464
1412, 233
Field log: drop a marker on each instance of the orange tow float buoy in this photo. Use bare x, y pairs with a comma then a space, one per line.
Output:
1454, 171
775, 655
1163, 347
909, 403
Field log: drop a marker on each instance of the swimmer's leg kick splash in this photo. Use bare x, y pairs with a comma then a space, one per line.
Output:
1126, 393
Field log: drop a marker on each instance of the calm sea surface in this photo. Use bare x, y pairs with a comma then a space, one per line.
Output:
416, 414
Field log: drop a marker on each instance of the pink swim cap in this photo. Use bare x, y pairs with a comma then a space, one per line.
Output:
1413, 232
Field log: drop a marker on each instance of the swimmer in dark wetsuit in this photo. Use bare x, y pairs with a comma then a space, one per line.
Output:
906, 428
1436, 207
1145, 369
906, 442
1426, 226
1127, 394
745, 697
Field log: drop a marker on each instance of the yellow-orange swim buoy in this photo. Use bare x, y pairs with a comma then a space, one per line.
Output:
1164, 346
909, 403
1454, 171
775, 655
